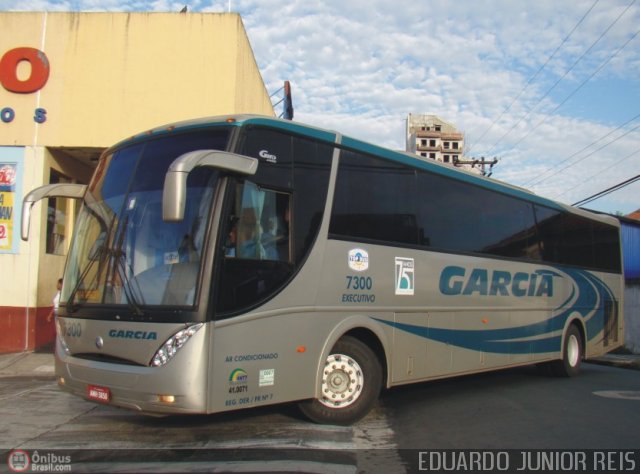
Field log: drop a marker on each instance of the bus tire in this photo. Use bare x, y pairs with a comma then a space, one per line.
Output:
351, 383
572, 354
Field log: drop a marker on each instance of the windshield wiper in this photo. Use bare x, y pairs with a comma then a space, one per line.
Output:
121, 268
120, 265
70, 304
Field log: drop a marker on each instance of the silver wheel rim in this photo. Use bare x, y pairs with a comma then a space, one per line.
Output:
573, 351
342, 381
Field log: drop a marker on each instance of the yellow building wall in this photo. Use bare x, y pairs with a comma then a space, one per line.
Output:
115, 74
112, 75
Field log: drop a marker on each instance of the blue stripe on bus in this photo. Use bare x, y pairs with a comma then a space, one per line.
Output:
330, 137
587, 300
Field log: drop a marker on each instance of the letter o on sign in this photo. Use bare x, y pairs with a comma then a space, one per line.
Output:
9, 70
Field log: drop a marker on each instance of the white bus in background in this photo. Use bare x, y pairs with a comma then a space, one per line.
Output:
235, 262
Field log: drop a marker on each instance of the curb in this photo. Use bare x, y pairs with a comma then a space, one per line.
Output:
618, 360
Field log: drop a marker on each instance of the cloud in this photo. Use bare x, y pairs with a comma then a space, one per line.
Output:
360, 67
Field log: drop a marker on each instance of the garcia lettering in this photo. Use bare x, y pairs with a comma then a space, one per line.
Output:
456, 280
121, 334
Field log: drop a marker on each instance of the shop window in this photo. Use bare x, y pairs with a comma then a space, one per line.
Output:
58, 230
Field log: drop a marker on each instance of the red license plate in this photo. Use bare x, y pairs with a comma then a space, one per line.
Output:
99, 394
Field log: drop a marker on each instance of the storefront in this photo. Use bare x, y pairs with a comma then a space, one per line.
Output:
71, 85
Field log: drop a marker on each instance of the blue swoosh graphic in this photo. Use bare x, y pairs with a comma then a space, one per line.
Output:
587, 299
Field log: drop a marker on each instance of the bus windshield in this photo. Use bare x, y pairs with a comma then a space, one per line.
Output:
124, 253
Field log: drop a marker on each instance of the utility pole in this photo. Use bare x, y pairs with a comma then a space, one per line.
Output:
481, 163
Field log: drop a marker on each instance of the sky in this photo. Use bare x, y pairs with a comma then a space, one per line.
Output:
551, 88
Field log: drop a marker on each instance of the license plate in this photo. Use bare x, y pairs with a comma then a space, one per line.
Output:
99, 394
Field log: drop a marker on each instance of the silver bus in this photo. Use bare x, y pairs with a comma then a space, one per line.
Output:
241, 261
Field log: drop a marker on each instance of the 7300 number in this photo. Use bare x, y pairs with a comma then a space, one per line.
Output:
359, 283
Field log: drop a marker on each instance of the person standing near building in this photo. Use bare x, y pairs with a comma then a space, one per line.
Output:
56, 301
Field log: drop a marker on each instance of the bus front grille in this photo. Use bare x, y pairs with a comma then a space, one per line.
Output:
107, 358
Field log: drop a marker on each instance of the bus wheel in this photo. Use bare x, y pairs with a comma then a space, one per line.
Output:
572, 353
351, 382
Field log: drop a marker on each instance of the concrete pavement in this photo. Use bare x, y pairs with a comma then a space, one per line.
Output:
27, 364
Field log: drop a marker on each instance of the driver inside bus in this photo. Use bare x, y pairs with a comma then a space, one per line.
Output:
248, 234
232, 238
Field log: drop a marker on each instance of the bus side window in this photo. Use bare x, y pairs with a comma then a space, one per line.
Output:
258, 228
256, 259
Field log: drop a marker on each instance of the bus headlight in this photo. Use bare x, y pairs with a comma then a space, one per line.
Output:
173, 345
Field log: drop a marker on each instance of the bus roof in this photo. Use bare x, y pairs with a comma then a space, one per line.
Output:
401, 157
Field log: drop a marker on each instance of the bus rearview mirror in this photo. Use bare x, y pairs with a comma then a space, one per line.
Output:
174, 193
66, 190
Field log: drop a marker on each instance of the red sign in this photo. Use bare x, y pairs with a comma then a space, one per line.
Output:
7, 175
9, 70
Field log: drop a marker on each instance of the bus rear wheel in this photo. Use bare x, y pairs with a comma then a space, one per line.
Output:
572, 354
350, 385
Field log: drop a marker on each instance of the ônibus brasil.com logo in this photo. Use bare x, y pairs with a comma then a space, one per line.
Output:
20, 461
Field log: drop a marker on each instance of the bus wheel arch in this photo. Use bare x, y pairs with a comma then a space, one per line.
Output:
352, 376
373, 341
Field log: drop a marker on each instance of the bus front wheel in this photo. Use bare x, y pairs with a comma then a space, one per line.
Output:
350, 385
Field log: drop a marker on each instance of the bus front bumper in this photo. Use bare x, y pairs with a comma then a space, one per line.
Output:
178, 387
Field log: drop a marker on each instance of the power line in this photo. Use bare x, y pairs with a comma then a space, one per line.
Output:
576, 89
607, 191
600, 172
532, 78
533, 181
565, 75
590, 154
